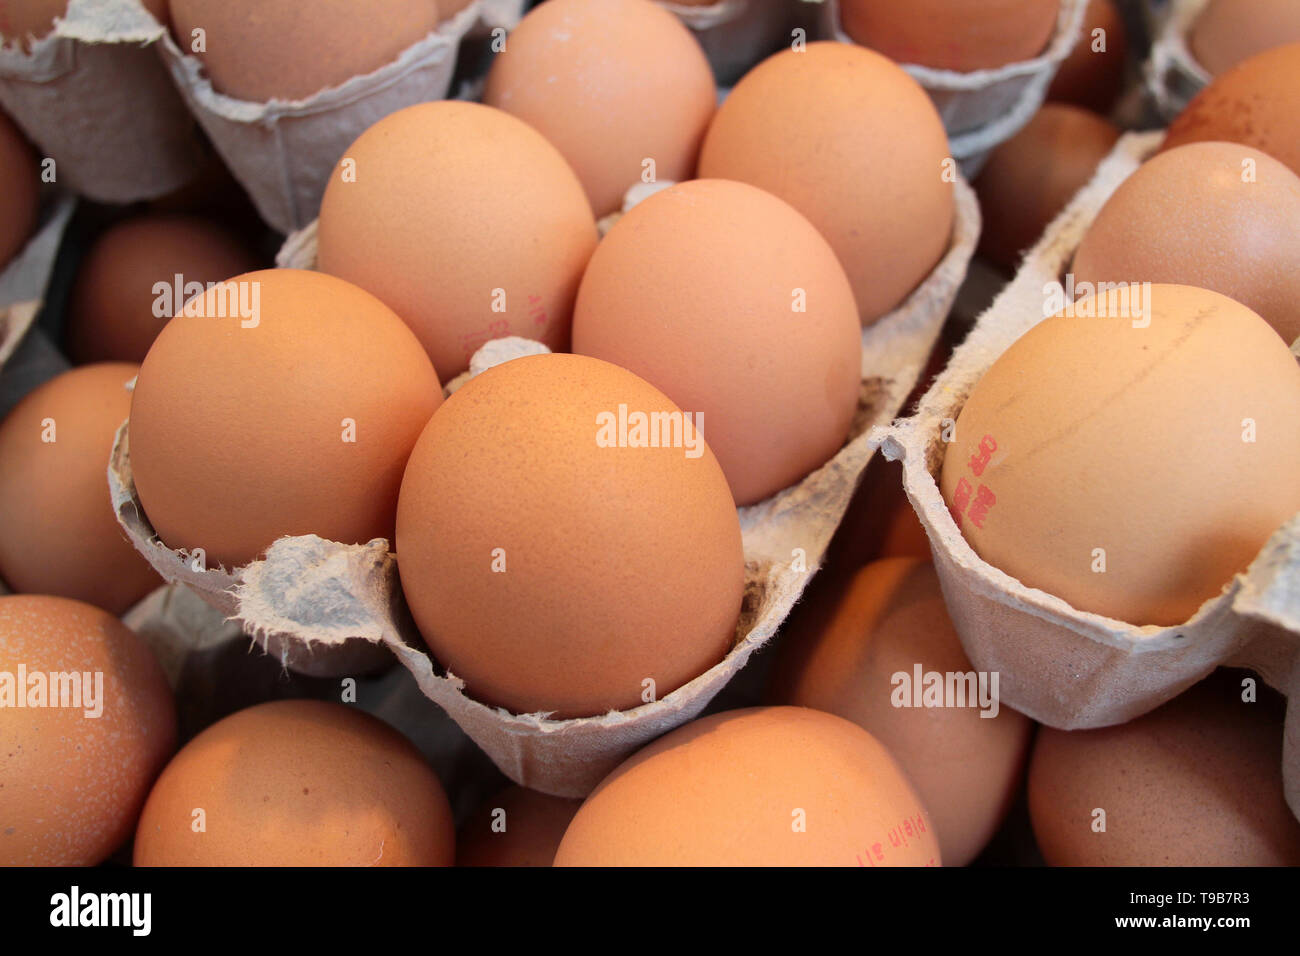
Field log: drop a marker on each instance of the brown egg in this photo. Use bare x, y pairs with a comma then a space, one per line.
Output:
1217, 216
766, 786
297, 420
614, 84
21, 19
1031, 177
516, 827
963, 35
466, 222
449, 8
19, 199
553, 558
87, 722
734, 305
1131, 466
854, 143
127, 286
297, 783
1256, 103
261, 50
60, 534
888, 627
1230, 31
1195, 783
1092, 76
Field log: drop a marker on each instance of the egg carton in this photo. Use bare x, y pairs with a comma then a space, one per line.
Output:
23, 281
1171, 73
283, 151
983, 108
1063, 667
735, 34
324, 605
94, 98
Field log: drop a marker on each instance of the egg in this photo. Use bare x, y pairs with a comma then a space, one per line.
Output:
765, 786
515, 827
87, 722
1031, 177
963, 35
1130, 464
19, 199
465, 222
728, 300
60, 534
854, 144
261, 50
1230, 31
566, 540
1196, 782
1092, 76
24, 19
1256, 103
297, 783
280, 403
620, 87
885, 628
127, 287
1214, 215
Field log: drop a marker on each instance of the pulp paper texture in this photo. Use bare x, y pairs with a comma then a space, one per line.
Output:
1171, 73
736, 34
284, 151
94, 97
23, 281
1063, 667
320, 597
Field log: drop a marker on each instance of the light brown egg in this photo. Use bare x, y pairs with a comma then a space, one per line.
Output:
297, 783
127, 288
1031, 177
728, 300
1256, 103
466, 222
1219, 216
553, 559
964, 35
21, 20
1131, 471
73, 777
449, 8
1092, 76
297, 420
1230, 31
613, 84
965, 761
19, 199
766, 786
1195, 783
855, 145
261, 50
60, 534
515, 827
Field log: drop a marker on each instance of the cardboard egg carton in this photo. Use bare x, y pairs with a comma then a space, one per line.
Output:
1171, 73
1063, 667
284, 151
312, 599
735, 34
23, 281
94, 97
985, 107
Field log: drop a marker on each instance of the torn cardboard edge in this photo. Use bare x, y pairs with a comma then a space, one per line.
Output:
93, 96
1063, 667
283, 151
735, 34
983, 108
23, 282
1171, 73
324, 597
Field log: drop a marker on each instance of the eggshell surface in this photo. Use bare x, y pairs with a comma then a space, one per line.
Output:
515, 827
1230, 31
73, 778
19, 198
1092, 76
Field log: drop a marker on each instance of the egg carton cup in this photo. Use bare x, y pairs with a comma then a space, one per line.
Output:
1064, 667
983, 108
1171, 73
23, 281
317, 597
735, 34
94, 98
283, 151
